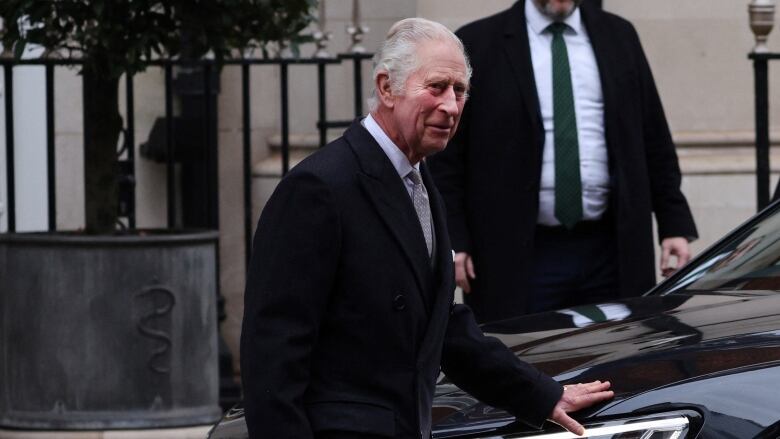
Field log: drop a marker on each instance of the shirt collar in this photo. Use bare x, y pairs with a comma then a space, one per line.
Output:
538, 22
396, 156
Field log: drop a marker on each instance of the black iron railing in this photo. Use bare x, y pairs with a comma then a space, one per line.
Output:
128, 165
9, 147
761, 82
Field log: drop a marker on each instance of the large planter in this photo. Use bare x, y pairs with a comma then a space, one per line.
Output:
102, 332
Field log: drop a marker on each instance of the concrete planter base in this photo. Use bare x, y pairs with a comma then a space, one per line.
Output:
108, 332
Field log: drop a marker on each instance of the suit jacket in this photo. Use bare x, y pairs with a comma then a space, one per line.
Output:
490, 172
345, 322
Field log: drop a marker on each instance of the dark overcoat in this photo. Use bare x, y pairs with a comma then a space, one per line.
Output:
489, 175
346, 323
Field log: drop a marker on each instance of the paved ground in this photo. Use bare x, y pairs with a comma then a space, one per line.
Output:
199, 432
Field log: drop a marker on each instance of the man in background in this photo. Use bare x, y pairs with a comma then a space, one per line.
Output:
562, 157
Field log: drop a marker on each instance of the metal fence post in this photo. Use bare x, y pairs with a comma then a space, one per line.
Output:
761, 14
9, 146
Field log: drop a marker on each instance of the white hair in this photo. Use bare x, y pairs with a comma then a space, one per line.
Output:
398, 55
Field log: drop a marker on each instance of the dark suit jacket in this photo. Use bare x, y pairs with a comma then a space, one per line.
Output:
345, 322
489, 174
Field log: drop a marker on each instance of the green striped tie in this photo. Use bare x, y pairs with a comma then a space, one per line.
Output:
568, 187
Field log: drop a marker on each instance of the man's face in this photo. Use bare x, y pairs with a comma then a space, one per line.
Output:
426, 115
557, 9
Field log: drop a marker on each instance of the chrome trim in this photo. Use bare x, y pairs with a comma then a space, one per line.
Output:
677, 422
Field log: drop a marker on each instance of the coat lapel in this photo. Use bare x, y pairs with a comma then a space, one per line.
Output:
444, 273
517, 50
444, 276
387, 194
389, 197
602, 41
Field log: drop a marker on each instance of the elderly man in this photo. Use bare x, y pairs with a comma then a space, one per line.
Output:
349, 303
562, 158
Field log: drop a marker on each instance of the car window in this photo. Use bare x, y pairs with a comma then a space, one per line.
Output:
749, 260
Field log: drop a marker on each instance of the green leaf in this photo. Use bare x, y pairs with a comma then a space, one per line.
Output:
19, 48
116, 36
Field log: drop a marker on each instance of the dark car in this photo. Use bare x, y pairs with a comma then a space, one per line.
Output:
698, 356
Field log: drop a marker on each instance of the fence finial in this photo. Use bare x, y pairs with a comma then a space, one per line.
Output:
762, 19
321, 36
356, 30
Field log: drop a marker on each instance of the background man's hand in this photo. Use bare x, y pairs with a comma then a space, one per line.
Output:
464, 270
576, 397
674, 246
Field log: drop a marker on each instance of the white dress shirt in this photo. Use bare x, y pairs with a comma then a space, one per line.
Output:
589, 108
396, 156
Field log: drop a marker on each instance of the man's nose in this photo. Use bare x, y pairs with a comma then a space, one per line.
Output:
449, 102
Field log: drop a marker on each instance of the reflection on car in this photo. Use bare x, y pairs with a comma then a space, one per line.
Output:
698, 356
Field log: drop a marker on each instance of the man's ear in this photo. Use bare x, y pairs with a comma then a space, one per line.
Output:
383, 89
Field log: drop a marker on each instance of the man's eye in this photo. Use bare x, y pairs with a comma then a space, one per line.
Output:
439, 87
459, 90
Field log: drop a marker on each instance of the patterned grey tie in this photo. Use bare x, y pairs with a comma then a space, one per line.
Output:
422, 206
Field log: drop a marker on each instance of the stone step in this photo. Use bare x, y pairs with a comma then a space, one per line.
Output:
298, 141
723, 160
